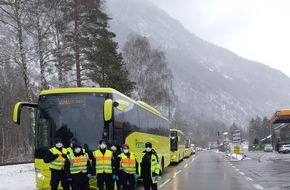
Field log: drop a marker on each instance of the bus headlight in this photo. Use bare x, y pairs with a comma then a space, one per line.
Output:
39, 174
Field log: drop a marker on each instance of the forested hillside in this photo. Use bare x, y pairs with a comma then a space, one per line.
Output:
51, 44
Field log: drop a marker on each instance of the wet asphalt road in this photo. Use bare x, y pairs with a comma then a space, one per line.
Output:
210, 170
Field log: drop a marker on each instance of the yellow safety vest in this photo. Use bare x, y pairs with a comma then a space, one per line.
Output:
78, 164
128, 164
70, 150
103, 161
155, 167
58, 163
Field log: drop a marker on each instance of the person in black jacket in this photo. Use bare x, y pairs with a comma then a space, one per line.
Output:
149, 168
56, 157
78, 167
117, 173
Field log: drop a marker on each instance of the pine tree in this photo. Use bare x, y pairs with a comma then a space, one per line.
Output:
95, 54
103, 63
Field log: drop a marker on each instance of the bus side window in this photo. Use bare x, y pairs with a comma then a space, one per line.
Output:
118, 127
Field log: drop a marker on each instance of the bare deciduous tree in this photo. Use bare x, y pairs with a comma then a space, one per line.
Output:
148, 69
12, 14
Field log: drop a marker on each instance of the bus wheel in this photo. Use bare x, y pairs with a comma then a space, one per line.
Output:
162, 167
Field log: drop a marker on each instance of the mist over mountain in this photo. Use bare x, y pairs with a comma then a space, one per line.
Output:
211, 82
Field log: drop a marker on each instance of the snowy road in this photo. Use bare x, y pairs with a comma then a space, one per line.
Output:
17, 177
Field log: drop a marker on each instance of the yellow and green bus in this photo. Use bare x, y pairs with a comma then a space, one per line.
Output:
91, 114
177, 145
187, 150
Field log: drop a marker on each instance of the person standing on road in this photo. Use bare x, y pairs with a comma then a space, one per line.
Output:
129, 166
117, 173
149, 168
72, 141
70, 151
78, 167
277, 147
102, 163
56, 157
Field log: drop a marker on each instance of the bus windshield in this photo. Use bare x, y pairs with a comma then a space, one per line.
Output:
67, 115
173, 140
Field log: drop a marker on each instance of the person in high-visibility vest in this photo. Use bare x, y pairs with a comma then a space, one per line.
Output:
78, 167
56, 157
102, 163
70, 151
129, 165
149, 168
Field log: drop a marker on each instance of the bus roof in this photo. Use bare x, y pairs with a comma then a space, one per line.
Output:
281, 116
177, 130
98, 90
78, 90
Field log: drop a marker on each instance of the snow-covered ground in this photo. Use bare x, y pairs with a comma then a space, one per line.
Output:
17, 177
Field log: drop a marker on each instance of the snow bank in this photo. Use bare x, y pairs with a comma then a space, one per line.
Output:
17, 177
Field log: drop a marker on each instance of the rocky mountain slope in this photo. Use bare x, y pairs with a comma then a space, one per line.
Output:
211, 82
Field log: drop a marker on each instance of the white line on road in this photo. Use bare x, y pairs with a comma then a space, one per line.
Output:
242, 173
163, 184
192, 160
176, 173
249, 179
185, 166
258, 186
237, 169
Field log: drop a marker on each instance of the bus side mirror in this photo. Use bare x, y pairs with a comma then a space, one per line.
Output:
108, 109
17, 110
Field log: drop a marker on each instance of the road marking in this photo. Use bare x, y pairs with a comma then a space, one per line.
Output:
185, 166
192, 160
176, 173
258, 186
242, 173
249, 179
237, 169
163, 184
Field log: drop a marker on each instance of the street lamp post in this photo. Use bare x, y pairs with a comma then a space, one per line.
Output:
271, 134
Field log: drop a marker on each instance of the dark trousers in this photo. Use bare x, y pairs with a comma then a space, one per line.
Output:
147, 183
118, 184
104, 178
56, 177
70, 183
80, 181
128, 181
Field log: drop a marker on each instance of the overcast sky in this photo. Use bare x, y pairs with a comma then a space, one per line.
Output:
258, 30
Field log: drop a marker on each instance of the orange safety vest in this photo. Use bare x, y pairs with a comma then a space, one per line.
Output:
78, 164
103, 161
128, 164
